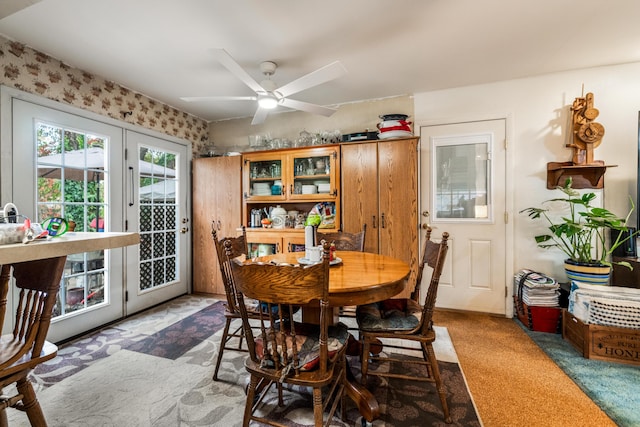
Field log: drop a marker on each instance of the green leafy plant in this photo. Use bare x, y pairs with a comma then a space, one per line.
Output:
583, 232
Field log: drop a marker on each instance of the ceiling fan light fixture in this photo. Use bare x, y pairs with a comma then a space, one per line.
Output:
268, 101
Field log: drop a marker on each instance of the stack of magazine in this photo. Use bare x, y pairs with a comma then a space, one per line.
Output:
537, 289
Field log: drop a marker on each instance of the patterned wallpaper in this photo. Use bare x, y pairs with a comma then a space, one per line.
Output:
34, 72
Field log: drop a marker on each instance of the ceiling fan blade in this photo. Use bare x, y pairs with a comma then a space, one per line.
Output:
217, 98
230, 64
309, 108
260, 116
315, 78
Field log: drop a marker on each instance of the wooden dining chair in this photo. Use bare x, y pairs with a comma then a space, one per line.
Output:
343, 240
406, 319
287, 352
237, 248
26, 347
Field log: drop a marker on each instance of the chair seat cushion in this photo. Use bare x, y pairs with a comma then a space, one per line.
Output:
308, 342
389, 315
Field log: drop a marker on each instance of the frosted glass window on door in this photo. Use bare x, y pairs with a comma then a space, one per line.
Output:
158, 217
462, 184
72, 183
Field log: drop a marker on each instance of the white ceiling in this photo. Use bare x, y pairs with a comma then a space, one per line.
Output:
161, 47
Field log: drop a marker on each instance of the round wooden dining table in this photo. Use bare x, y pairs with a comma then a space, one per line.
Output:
356, 278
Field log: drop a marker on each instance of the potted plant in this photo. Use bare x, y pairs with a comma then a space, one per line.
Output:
581, 235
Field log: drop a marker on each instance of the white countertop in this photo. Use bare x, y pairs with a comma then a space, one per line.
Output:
68, 243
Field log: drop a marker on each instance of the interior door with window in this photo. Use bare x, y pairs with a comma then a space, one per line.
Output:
463, 193
157, 207
69, 167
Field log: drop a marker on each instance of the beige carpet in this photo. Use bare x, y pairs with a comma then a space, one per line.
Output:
511, 379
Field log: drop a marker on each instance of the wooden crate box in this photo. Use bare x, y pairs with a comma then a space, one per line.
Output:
602, 342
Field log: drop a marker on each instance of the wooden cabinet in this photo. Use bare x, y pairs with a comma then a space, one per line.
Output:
217, 199
380, 189
269, 242
296, 180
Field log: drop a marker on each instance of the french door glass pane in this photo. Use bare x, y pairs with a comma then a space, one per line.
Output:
158, 218
462, 181
72, 183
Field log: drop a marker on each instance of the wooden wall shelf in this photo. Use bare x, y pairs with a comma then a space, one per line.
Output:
583, 176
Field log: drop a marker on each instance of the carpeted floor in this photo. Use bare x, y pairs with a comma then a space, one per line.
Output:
614, 387
155, 370
513, 382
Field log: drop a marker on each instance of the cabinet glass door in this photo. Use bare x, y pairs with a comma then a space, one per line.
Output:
312, 176
265, 178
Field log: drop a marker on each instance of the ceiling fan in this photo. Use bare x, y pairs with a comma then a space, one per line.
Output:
268, 95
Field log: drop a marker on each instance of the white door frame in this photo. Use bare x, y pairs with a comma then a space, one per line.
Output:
508, 185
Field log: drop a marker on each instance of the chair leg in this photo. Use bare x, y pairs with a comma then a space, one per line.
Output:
280, 395
428, 349
223, 343
343, 391
30, 403
251, 393
317, 407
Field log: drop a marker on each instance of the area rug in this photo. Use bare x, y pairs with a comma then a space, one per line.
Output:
614, 387
402, 403
170, 342
176, 339
99, 380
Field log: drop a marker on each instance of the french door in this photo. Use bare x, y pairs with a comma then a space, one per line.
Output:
66, 166
100, 177
156, 205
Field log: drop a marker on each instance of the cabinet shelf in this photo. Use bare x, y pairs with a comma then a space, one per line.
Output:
316, 176
265, 179
583, 176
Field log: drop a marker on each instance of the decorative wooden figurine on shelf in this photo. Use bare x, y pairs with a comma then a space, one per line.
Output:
587, 134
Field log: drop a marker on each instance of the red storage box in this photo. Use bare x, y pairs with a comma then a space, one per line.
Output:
541, 319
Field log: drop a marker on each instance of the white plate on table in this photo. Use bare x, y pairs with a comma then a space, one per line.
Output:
305, 261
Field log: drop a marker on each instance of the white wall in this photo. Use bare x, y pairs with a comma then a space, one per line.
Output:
350, 118
539, 111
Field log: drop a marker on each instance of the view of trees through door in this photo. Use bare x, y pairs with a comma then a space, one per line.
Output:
71, 184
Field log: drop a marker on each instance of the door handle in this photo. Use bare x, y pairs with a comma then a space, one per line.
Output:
426, 214
184, 230
131, 196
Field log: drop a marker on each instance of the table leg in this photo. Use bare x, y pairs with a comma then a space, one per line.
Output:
311, 314
363, 398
